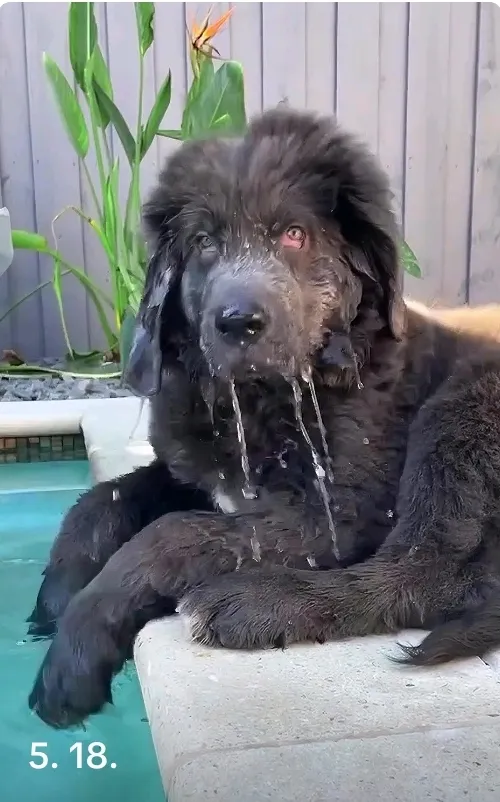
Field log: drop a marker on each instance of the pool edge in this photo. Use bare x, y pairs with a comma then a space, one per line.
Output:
228, 724
115, 429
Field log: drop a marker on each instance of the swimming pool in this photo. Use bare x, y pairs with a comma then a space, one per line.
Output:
33, 499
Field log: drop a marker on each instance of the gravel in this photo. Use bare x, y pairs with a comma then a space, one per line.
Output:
50, 388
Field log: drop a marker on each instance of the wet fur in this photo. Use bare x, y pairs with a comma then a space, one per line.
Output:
416, 451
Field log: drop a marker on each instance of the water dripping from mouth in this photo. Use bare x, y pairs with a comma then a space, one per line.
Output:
248, 489
359, 383
307, 376
138, 419
255, 545
318, 468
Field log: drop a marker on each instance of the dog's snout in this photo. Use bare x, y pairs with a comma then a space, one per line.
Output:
244, 322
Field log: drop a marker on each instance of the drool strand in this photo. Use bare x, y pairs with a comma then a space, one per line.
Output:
248, 489
318, 468
138, 419
359, 383
307, 376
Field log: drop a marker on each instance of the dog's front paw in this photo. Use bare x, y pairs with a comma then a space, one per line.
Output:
253, 610
75, 677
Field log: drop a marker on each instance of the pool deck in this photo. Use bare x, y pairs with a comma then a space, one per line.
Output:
332, 723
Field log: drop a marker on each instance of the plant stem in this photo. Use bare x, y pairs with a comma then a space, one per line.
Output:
135, 186
92, 189
107, 150
30, 294
56, 282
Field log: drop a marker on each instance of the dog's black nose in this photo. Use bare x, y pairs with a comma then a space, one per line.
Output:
243, 322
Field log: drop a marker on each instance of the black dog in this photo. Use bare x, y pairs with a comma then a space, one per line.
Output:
369, 444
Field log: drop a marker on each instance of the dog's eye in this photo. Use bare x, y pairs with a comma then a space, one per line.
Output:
294, 237
205, 242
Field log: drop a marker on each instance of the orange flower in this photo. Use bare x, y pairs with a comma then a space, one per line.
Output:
201, 35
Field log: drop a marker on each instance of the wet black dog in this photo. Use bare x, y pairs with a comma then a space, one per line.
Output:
274, 277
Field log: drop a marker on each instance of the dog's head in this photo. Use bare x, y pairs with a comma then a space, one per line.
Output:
262, 247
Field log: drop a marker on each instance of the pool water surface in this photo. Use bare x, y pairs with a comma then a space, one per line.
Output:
33, 499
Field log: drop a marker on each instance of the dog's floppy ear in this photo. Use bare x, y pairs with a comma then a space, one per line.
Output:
361, 201
370, 231
378, 251
142, 374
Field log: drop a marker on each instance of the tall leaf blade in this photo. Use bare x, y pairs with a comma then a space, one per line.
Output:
71, 113
160, 106
110, 207
29, 241
217, 103
102, 78
119, 123
145, 13
82, 34
56, 283
410, 262
193, 122
227, 98
171, 133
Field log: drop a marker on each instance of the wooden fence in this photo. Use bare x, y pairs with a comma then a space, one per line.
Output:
419, 81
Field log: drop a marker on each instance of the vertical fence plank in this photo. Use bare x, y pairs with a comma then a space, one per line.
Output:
358, 69
124, 67
485, 224
391, 121
170, 54
439, 131
246, 47
460, 125
56, 171
426, 143
284, 53
16, 176
321, 56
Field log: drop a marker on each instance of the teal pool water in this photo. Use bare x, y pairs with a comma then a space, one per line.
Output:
33, 499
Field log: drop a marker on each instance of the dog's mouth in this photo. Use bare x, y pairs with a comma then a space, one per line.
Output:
246, 360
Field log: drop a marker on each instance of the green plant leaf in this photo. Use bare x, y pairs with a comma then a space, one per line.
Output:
82, 34
94, 293
145, 14
90, 367
219, 103
29, 241
191, 117
116, 117
157, 113
69, 108
102, 78
110, 204
171, 134
228, 98
126, 335
410, 262
56, 283
222, 123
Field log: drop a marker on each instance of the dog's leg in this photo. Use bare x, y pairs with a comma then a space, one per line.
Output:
99, 523
143, 580
438, 568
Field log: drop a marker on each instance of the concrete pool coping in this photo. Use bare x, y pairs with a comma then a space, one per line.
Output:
332, 723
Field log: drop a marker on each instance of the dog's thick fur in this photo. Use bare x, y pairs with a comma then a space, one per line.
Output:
415, 449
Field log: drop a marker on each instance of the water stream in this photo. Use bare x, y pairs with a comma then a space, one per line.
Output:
318, 468
248, 488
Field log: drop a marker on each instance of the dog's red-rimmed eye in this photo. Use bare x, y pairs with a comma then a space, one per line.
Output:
294, 237
204, 242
